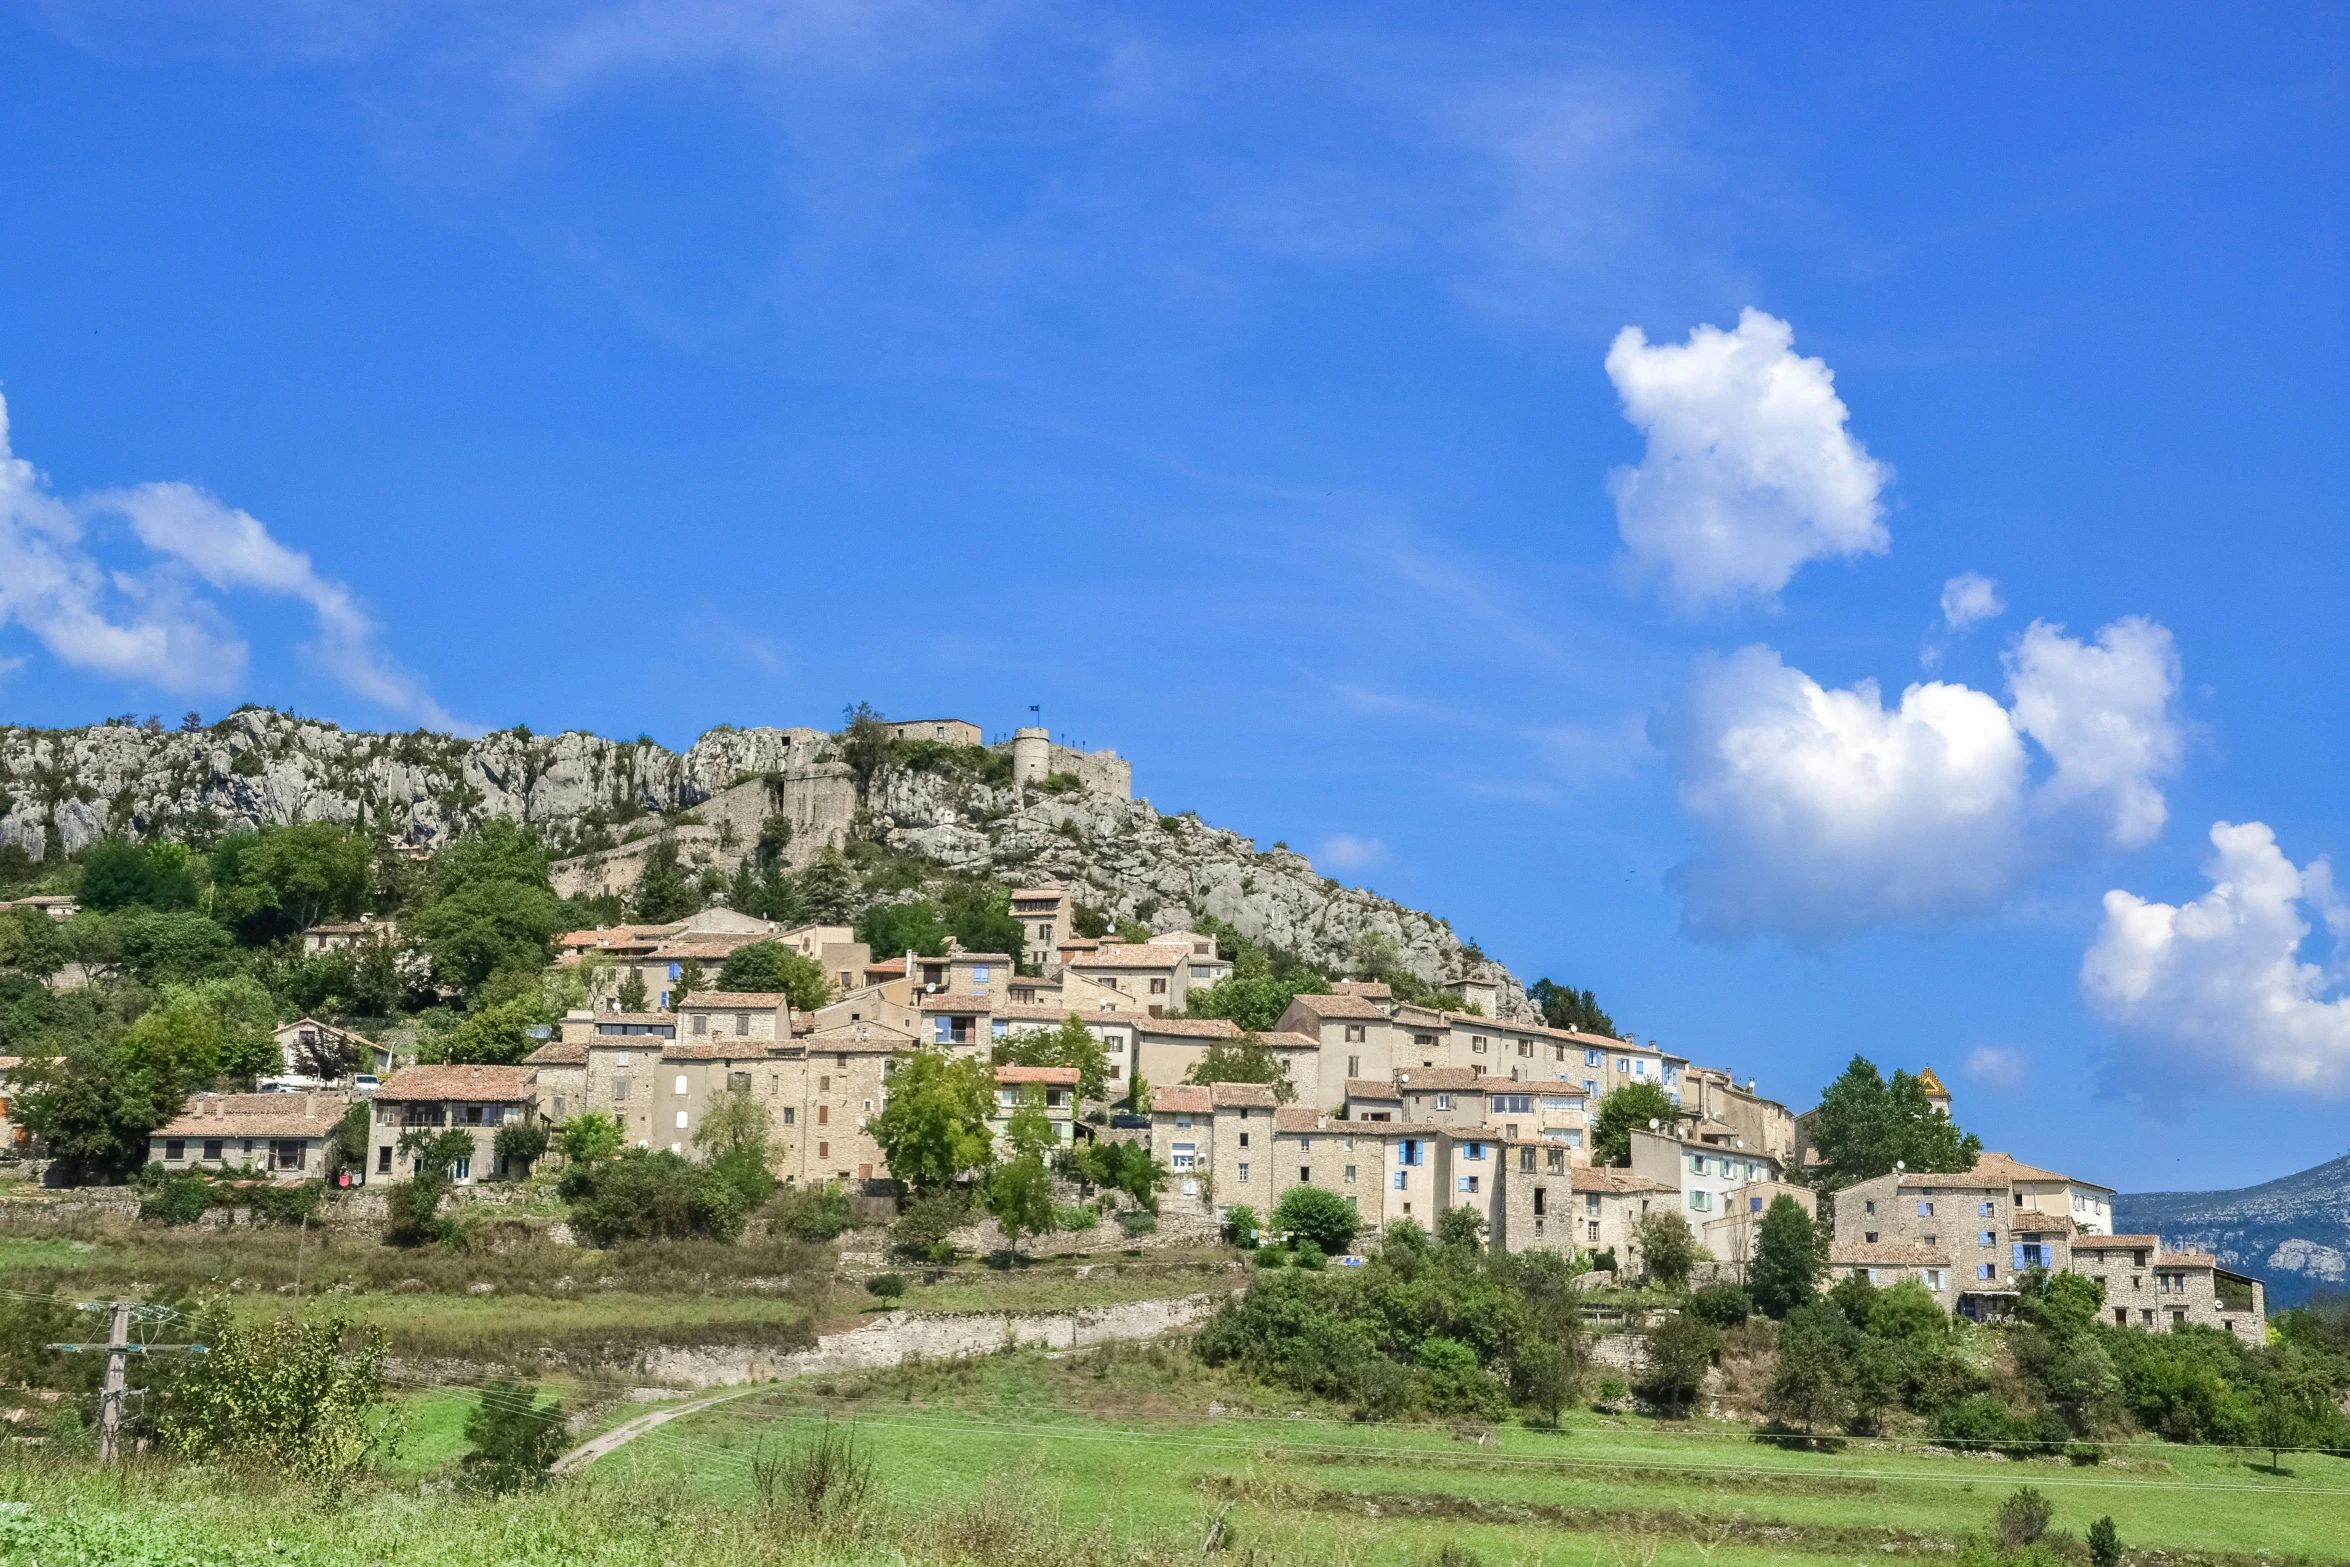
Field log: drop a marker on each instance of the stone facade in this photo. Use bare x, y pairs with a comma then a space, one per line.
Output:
2150, 1288
476, 1100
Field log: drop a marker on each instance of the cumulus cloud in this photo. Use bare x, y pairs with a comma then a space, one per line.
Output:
1750, 471
152, 624
2221, 979
1823, 813
1969, 599
1344, 851
1995, 1065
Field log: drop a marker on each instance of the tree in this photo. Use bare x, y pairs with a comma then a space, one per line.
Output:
488, 906
866, 744
735, 1123
652, 1194
1320, 1216
1563, 1006
1122, 1167
663, 890
519, 1145
980, 916
1628, 1109
631, 995
1071, 1044
1247, 1059
280, 880
1668, 1251
1865, 1125
346, 1145
1679, 1352
512, 1440
771, 968
828, 888
934, 1128
2105, 1544
894, 929
689, 980
1810, 1384
1785, 1271
1020, 1196
284, 1392
2023, 1518
497, 1035
414, 1206
589, 1136
32, 943
2291, 1397
119, 873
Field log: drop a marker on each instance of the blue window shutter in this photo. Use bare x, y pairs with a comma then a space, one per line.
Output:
2019, 1254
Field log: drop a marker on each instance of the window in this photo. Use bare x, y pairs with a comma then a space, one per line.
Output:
211, 1147
1183, 1156
1985, 1238
790, 1114
1525, 1047
1983, 1210
701, 1023
620, 1058
1158, 988
824, 1150
1925, 1210
383, 1161
1350, 1174
1591, 1204
1399, 1180
1869, 1236
680, 1085
742, 1025
676, 971
1474, 1151
1933, 1278
738, 1082
979, 973
173, 1148
1513, 1104
1623, 1063
998, 1029
1244, 1139
1477, 1044
1354, 1033
1354, 1066
1982, 1270
1202, 971
1590, 1085
942, 1031
1305, 1175
1410, 1151
1701, 1200
681, 1120
620, 1088
1468, 1184
1305, 1145
1526, 1160
1591, 1058
1244, 1171
1872, 1209
824, 1115
1444, 1101
1933, 1240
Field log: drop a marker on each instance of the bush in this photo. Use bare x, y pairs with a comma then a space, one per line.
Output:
819, 1484
2105, 1544
926, 1222
1983, 1423
814, 1213
519, 1145
886, 1286
1322, 1217
2024, 1517
512, 1439
1137, 1224
1723, 1305
1075, 1216
283, 1393
651, 1194
1240, 1226
177, 1199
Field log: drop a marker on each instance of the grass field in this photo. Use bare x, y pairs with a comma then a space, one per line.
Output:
1112, 1456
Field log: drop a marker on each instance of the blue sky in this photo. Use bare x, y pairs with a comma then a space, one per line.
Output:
1240, 389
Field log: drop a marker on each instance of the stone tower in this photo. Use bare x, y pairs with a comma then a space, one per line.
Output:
1032, 755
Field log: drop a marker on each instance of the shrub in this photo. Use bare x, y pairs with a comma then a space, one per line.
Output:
284, 1394
926, 1222
512, 1439
821, 1483
814, 1213
2023, 1518
1137, 1224
651, 1194
519, 1145
1075, 1216
2105, 1544
1983, 1423
1723, 1305
177, 1199
1322, 1217
1240, 1226
886, 1286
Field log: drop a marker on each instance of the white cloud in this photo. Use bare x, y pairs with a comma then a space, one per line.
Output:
1823, 813
1996, 1065
1969, 599
2221, 979
150, 624
1344, 851
1750, 471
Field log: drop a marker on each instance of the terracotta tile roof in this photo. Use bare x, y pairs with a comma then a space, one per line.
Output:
2005, 1167
886, 966
705, 947
1180, 1098
949, 1001
1040, 892
1123, 956
1036, 1012
1588, 1178
1291, 1041
1190, 1027
1059, 1076
866, 1030
645, 1019
882, 1042
977, 957
754, 1000
617, 935
2118, 1243
2030, 1221
2185, 1259
1300, 1118
1368, 989
457, 1082
1338, 1006
1442, 1079
295, 1125
1253, 1095
1886, 1254
727, 1049
1378, 1088
559, 1053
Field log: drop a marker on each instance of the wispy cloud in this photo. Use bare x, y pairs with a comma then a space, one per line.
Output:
1996, 1066
1346, 852
149, 622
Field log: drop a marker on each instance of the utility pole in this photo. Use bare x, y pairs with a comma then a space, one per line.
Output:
118, 1345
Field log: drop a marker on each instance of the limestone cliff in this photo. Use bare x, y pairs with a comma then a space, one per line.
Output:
604, 803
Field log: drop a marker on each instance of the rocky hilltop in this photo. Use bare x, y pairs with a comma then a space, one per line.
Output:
2292, 1233
605, 804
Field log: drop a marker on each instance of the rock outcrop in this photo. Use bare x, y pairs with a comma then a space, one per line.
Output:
2293, 1232
603, 804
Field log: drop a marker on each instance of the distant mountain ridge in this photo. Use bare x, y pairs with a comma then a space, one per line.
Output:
2292, 1233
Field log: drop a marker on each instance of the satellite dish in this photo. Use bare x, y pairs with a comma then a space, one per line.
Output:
1653, 1123
1900, 1165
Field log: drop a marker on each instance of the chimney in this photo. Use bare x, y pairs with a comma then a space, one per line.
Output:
309, 1104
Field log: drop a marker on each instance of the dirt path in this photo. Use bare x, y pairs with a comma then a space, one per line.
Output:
888, 1341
